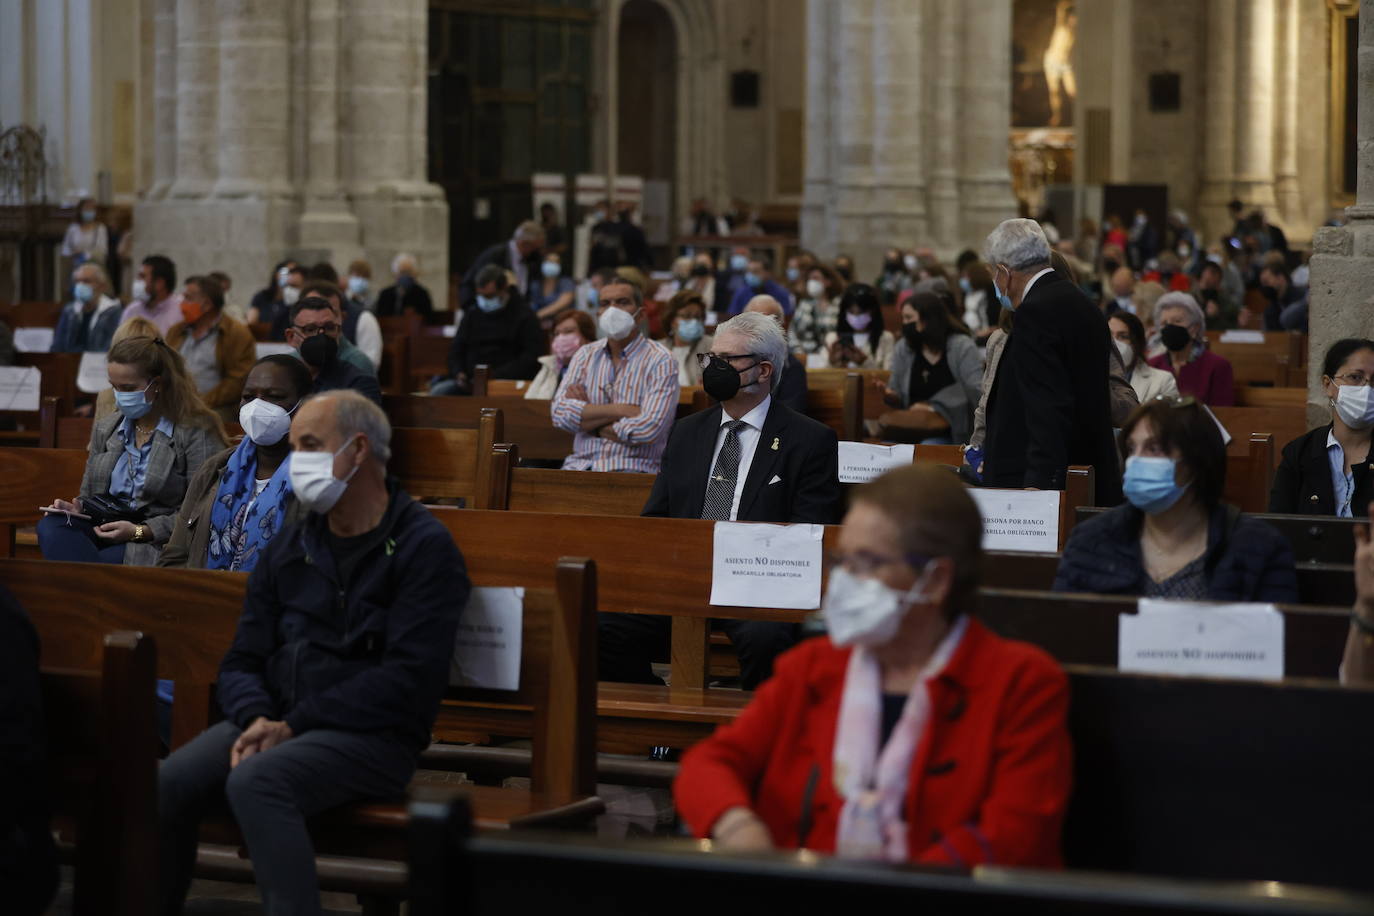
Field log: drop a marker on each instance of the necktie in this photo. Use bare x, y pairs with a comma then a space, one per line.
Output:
720, 489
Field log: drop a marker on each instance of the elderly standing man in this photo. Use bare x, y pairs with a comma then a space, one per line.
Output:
406, 292
88, 322
1048, 406
748, 459
791, 387
521, 255
341, 657
1198, 371
619, 393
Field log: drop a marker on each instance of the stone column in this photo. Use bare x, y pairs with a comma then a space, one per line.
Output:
254, 112
1343, 257
612, 13
327, 224
946, 39
816, 205
197, 75
899, 188
1219, 148
1255, 104
164, 137
383, 138
853, 132
985, 180
1286, 187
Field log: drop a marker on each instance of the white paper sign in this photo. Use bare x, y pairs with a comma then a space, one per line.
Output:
91, 375
487, 650
776, 566
860, 462
1019, 519
33, 340
1220, 640
19, 387
818, 360
1242, 336
273, 348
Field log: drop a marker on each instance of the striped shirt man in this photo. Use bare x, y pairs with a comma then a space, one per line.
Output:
647, 379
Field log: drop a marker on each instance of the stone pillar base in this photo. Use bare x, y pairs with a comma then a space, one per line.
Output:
1342, 263
410, 217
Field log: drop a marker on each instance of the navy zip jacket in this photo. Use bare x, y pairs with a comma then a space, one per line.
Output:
374, 658
1247, 559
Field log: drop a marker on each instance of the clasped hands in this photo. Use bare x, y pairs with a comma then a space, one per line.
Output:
264, 734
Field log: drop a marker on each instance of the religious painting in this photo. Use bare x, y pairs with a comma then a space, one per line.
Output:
1044, 84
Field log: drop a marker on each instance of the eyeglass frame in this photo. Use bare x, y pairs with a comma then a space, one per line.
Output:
328, 329
1365, 382
704, 359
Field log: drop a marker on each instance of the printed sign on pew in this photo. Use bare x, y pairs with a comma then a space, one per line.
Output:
771, 566
486, 652
861, 462
19, 387
1196, 638
1019, 519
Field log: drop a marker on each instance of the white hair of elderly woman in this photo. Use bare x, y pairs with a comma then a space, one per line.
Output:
1020, 244
765, 339
1184, 303
404, 262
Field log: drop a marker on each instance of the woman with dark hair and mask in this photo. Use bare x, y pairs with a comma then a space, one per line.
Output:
936, 368
141, 459
859, 340
240, 498
1198, 371
1326, 471
834, 751
1174, 537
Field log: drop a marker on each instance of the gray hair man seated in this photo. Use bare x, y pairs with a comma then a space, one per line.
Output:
748, 459
338, 666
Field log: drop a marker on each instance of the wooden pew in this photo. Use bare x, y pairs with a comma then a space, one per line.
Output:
101, 764
566, 492
835, 397
1252, 396
447, 463
1249, 474
556, 695
34, 477
31, 314
1314, 538
1243, 423
526, 422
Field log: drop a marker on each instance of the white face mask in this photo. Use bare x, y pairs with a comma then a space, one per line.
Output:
1127, 354
140, 290
290, 294
264, 422
615, 323
865, 612
815, 288
1355, 406
909, 262
313, 480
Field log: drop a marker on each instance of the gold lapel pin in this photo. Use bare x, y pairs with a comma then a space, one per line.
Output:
775, 443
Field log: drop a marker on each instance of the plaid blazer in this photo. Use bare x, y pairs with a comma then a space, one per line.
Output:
171, 463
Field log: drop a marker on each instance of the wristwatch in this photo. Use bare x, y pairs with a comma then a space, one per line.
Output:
139, 532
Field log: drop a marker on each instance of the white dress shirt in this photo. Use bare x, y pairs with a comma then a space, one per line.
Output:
748, 443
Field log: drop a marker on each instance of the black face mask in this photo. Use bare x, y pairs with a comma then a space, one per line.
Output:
701, 270
892, 266
1175, 337
721, 380
1210, 295
1270, 292
1111, 266
319, 351
845, 271
912, 336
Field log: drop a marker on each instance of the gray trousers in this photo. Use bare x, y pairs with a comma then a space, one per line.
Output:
270, 794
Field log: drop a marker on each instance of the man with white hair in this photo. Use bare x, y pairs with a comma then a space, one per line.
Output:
1048, 407
521, 255
406, 293
88, 322
749, 458
341, 657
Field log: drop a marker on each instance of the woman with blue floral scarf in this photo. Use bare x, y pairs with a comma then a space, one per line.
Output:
241, 498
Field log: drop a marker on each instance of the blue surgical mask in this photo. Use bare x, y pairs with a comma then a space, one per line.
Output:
134, 404
793, 274
357, 286
1002, 298
738, 262
966, 286
488, 303
1149, 484
591, 297
753, 279
690, 329
550, 269
83, 292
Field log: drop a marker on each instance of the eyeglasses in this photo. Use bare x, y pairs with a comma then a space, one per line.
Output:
865, 564
1175, 402
704, 359
310, 330
1353, 379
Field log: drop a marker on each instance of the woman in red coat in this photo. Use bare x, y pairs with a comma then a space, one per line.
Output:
911, 732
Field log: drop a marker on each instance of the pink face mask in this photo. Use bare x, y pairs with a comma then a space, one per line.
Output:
565, 345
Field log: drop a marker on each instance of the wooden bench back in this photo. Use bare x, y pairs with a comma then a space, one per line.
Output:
1249, 474
31, 314
447, 463
1284, 423
1253, 396
1082, 629
524, 422
525, 489
835, 397
1314, 538
58, 373
101, 766
31, 478
1266, 369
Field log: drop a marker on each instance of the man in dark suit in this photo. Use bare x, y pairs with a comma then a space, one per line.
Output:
1049, 405
748, 459
521, 256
